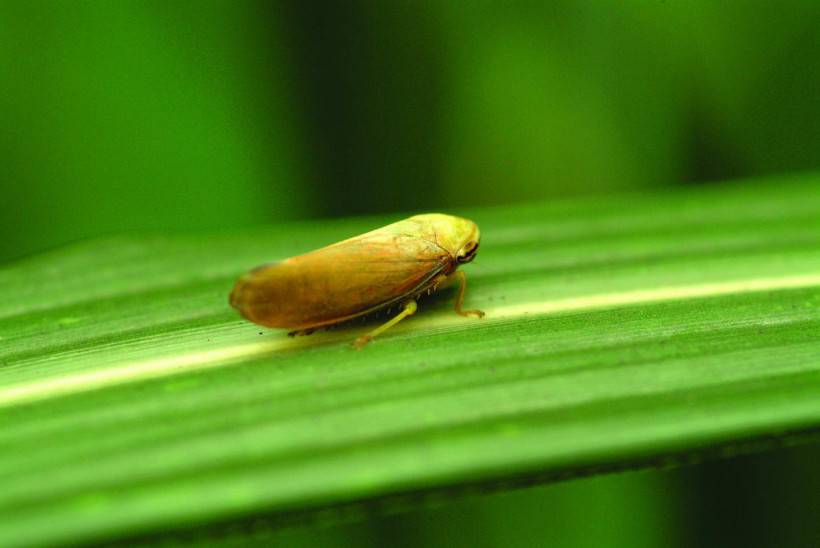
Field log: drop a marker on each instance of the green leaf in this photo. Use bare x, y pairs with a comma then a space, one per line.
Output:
620, 332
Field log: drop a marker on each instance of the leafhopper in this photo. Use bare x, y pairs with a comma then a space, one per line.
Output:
388, 267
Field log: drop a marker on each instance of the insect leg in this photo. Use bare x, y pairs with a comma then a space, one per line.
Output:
301, 332
408, 309
462, 278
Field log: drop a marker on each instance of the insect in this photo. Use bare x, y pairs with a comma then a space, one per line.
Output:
387, 267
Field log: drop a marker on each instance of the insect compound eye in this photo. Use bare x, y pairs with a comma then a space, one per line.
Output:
467, 252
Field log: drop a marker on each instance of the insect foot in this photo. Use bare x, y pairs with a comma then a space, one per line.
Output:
359, 343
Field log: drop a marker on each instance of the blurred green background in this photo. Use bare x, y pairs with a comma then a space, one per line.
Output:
156, 115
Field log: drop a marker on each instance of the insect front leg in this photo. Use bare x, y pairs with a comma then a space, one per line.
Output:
462, 278
408, 309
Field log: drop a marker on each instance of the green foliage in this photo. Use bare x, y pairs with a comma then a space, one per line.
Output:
620, 332
162, 115
141, 116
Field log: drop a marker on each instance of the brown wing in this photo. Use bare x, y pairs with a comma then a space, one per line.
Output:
339, 282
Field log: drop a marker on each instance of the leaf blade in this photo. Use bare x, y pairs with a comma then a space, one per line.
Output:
620, 336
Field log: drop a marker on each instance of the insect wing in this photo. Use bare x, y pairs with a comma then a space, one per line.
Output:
340, 281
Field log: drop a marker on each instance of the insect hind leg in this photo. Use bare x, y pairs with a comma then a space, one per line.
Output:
408, 309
